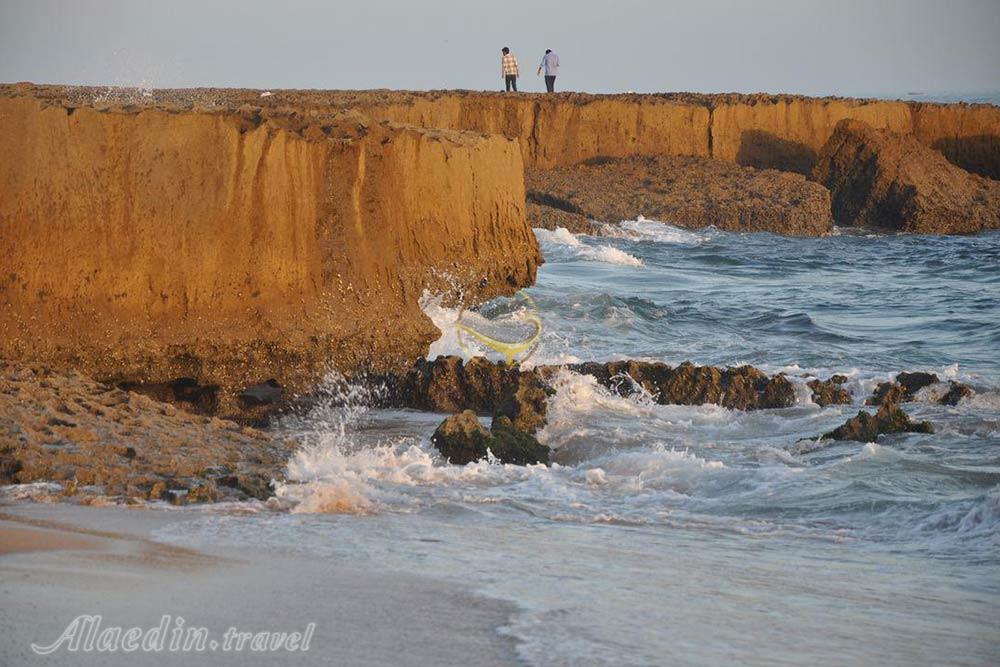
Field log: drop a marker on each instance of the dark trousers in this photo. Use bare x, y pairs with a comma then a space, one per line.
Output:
550, 83
511, 81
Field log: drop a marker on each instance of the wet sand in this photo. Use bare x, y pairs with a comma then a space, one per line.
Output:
58, 562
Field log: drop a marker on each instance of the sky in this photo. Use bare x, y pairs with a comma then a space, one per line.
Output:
836, 47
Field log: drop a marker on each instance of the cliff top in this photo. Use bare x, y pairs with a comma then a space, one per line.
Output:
222, 99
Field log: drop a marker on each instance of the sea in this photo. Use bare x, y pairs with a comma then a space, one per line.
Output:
693, 534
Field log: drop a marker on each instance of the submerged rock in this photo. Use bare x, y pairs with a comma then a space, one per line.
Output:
462, 439
691, 192
866, 427
882, 179
956, 392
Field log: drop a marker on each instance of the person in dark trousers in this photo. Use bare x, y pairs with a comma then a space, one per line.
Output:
508, 69
550, 63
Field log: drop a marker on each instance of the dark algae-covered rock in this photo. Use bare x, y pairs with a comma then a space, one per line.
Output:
956, 392
866, 427
447, 384
511, 445
906, 386
740, 388
462, 439
830, 392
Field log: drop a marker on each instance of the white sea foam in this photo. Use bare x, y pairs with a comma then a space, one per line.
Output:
642, 229
596, 253
610, 255
560, 235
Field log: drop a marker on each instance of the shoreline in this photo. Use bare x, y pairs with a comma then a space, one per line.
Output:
131, 579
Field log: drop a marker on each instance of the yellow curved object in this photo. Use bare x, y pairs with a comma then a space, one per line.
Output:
508, 350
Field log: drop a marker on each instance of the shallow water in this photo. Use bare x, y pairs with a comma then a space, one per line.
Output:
679, 534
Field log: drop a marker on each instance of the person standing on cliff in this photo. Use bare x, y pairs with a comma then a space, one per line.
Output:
550, 63
508, 69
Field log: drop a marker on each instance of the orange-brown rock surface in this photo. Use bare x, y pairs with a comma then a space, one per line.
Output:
97, 441
234, 245
766, 131
689, 192
883, 179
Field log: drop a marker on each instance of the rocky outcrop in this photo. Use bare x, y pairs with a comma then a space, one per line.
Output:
892, 181
448, 384
739, 388
866, 427
829, 392
228, 245
462, 439
97, 441
689, 192
906, 386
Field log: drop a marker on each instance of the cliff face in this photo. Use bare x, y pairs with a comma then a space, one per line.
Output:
763, 131
235, 246
969, 136
777, 131
564, 130
787, 133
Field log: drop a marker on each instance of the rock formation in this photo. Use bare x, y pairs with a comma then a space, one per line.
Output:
866, 427
240, 245
690, 192
739, 388
462, 439
830, 392
99, 441
906, 386
892, 181
448, 384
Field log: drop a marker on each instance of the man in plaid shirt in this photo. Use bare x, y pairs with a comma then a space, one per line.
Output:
508, 69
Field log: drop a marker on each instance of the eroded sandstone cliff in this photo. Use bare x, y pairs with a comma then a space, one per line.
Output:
766, 131
233, 246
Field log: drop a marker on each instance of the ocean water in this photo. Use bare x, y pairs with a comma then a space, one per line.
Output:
696, 535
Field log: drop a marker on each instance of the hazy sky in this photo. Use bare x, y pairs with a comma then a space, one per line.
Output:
849, 47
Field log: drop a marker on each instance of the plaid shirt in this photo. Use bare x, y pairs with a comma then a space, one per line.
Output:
508, 65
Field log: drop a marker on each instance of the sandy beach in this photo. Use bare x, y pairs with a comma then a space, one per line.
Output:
61, 561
